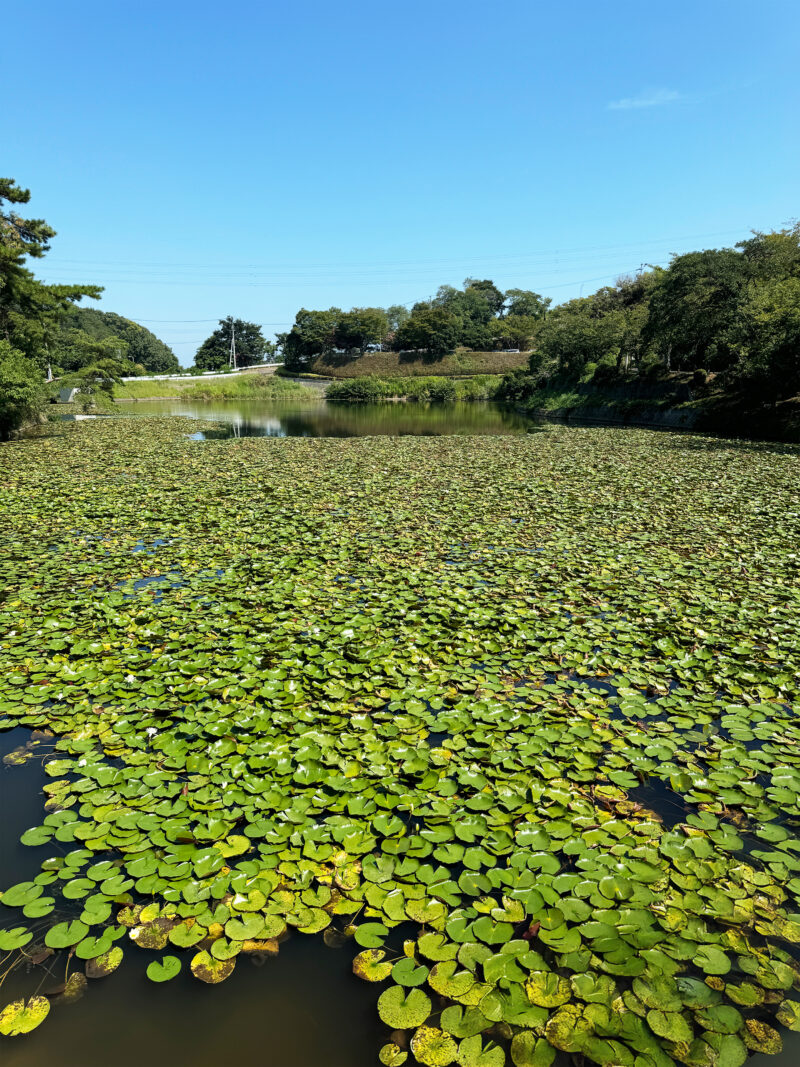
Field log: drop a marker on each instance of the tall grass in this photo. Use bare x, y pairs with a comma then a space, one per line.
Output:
433, 389
252, 386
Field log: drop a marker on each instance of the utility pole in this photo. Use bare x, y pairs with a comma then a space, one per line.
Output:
232, 360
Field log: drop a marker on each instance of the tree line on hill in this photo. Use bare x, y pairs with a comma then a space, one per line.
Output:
730, 313
479, 317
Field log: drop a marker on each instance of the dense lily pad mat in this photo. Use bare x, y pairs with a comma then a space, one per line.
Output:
424, 694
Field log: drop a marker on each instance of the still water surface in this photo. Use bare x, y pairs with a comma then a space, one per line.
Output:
288, 418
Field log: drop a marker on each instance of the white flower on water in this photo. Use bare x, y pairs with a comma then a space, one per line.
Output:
151, 731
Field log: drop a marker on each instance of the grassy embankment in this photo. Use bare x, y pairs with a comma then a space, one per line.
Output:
241, 387
461, 363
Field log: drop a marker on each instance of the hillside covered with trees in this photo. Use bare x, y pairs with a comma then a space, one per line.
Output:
85, 330
478, 317
729, 314
716, 324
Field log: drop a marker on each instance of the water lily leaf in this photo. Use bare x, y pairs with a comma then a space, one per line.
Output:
712, 960
92, 947
66, 934
407, 972
103, 965
463, 1022
14, 938
547, 990
528, 1050
164, 969
669, 1024
403, 1010
20, 1016
448, 980
211, 970
788, 1015
369, 966
16, 896
760, 1037
433, 1047
391, 1055
473, 1053
371, 935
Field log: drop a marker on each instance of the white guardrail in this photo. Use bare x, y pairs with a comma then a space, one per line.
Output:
204, 374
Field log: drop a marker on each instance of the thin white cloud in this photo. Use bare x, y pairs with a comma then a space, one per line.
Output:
649, 98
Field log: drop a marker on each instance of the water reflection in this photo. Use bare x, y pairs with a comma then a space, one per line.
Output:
281, 418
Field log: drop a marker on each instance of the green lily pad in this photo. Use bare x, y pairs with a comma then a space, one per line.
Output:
210, 970
403, 1010
164, 969
16, 937
20, 1016
433, 1047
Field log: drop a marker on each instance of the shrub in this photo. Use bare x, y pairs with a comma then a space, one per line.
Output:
441, 391
359, 390
22, 390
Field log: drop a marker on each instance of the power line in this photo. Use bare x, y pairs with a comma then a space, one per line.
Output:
365, 266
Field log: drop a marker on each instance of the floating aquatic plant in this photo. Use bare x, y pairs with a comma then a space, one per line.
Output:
514, 717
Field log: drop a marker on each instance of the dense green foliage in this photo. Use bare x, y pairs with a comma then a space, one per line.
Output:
45, 329
21, 389
30, 311
87, 333
526, 738
437, 389
251, 346
479, 317
733, 313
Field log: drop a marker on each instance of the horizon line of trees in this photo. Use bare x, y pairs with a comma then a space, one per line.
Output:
480, 316
731, 312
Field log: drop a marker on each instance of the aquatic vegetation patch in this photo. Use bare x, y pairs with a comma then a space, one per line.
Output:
513, 718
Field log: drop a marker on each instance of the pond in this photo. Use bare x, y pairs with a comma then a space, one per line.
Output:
510, 720
287, 418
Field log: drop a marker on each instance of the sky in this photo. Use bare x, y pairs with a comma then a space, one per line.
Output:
202, 160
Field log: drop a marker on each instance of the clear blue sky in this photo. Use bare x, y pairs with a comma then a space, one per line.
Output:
203, 159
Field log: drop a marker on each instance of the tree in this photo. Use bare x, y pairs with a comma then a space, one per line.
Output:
434, 330
488, 291
524, 302
142, 346
396, 315
22, 389
251, 347
768, 342
77, 349
96, 382
572, 338
515, 331
360, 328
313, 334
693, 312
30, 311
